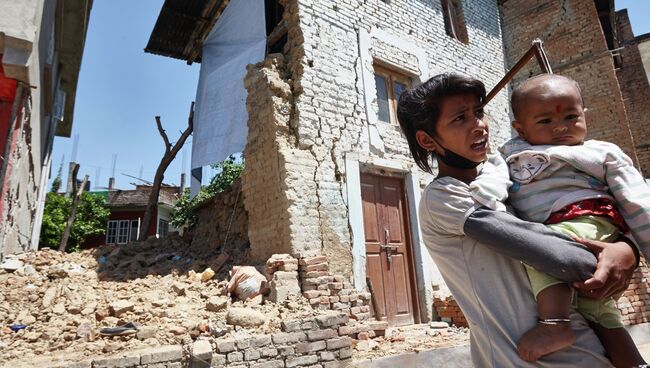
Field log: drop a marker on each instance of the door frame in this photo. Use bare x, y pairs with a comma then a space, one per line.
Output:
422, 267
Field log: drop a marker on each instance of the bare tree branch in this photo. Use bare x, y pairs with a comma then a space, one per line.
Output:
168, 157
163, 134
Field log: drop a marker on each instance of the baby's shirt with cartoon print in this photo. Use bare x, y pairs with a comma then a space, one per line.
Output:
547, 178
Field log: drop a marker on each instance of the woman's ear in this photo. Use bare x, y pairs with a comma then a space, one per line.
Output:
425, 141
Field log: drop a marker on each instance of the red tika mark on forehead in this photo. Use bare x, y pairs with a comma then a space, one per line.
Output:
558, 108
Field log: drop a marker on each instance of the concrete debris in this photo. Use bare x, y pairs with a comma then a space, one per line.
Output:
64, 300
11, 264
245, 317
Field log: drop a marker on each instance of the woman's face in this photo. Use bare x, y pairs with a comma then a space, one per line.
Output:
462, 127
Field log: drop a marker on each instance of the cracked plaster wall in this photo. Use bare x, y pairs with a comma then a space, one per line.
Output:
331, 95
324, 110
26, 36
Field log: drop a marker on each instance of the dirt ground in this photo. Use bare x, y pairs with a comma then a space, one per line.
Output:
63, 300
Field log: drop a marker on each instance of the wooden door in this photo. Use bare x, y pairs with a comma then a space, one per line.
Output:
389, 262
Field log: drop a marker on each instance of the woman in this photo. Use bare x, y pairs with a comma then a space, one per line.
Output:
478, 251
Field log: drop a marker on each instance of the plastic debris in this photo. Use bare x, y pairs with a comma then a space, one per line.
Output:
125, 329
18, 327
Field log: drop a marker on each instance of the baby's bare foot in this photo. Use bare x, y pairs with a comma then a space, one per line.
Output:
545, 339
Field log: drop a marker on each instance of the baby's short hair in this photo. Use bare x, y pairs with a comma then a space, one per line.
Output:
520, 92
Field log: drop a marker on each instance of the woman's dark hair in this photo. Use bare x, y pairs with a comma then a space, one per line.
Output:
419, 108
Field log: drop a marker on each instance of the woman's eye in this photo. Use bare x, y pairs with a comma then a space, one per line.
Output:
459, 118
571, 117
479, 113
544, 121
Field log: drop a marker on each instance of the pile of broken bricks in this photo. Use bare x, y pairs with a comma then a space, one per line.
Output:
324, 292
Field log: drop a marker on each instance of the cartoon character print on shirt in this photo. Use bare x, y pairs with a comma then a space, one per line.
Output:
525, 166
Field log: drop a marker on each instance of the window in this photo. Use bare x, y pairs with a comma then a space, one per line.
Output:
111, 233
118, 231
276, 28
135, 225
452, 12
123, 232
163, 228
390, 85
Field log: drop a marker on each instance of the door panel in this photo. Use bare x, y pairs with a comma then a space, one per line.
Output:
388, 252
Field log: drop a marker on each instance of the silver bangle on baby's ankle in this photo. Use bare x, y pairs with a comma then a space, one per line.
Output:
553, 321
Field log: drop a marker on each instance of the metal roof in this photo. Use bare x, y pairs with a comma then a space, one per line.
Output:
181, 27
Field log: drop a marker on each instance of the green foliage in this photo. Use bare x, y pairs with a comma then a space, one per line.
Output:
91, 220
229, 170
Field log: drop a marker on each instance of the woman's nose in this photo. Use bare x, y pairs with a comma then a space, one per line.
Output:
479, 123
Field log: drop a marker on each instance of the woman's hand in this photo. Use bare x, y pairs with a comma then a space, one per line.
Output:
616, 264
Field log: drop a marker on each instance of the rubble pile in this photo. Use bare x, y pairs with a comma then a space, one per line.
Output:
167, 295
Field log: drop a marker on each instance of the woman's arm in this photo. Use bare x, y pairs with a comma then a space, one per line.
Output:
546, 250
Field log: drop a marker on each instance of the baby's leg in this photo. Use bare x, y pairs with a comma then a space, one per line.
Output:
619, 346
553, 303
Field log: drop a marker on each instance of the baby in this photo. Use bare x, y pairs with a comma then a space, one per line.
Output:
585, 189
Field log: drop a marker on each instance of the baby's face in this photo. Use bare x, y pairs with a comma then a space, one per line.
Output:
552, 114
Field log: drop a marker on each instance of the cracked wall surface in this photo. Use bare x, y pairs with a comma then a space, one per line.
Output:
306, 119
335, 102
576, 47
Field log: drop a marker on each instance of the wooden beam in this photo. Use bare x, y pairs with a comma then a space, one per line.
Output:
536, 50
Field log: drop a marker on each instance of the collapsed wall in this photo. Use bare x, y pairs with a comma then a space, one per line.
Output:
313, 126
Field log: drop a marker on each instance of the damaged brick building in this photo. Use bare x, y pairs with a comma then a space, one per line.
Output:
41, 45
327, 170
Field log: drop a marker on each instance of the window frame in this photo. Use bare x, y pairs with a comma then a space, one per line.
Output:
111, 232
454, 19
161, 222
392, 77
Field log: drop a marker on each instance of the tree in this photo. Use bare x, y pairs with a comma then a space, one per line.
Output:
229, 171
90, 220
168, 157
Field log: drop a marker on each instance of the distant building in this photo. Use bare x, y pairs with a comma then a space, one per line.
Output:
41, 46
127, 211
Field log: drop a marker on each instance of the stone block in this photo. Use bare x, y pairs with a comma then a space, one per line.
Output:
218, 360
338, 343
286, 350
331, 320
309, 347
123, 360
277, 363
261, 340
225, 346
288, 337
301, 360
162, 354
269, 352
202, 349
321, 334
234, 357
252, 354
82, 364
290, 326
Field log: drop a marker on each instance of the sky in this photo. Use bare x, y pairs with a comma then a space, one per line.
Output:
121, 89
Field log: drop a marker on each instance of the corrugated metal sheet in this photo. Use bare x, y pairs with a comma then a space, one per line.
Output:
180, 26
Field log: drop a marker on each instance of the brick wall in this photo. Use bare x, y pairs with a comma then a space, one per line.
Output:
576, 47
449, 311
223, 221
299, 138
635, 89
